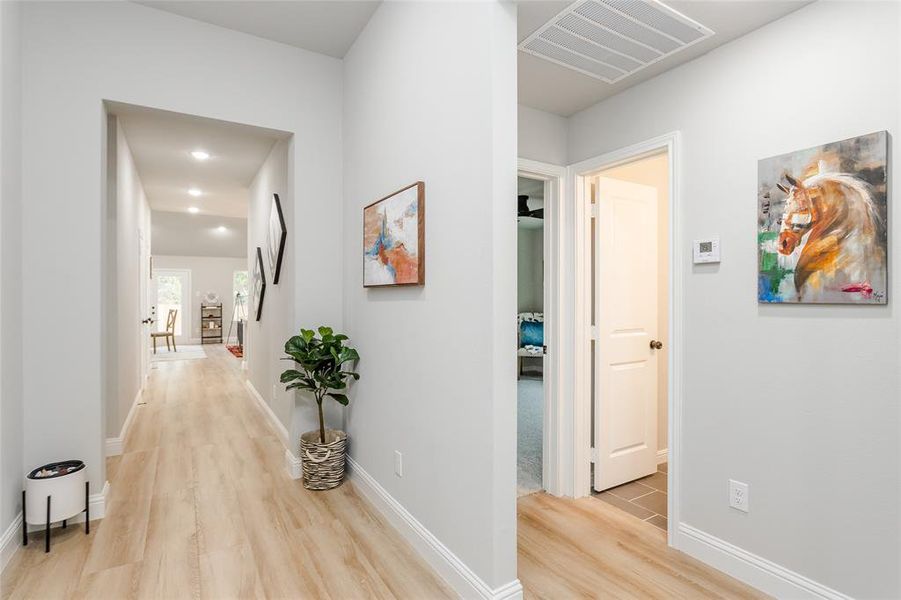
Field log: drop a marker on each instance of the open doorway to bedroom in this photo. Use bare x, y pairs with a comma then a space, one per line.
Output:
531, 347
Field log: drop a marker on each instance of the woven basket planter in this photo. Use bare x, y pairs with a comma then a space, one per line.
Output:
323, 464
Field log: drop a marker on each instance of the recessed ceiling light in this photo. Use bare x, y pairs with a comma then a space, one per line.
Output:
193, 210
200, 155
222, 229
194, 192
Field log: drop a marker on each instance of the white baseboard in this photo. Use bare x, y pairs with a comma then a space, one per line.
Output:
293, 465
267, 412
661, 456
114, 445
453, 570
11, 541
97, 504
754, 570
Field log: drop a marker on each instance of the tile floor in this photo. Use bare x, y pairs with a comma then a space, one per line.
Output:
644, 498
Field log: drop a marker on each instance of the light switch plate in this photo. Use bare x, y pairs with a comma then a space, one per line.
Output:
706, 250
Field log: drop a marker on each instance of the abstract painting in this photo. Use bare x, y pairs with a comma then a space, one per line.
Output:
259, 284
394, 239
275, 238
822, 224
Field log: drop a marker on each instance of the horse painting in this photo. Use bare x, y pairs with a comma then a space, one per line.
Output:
822, 239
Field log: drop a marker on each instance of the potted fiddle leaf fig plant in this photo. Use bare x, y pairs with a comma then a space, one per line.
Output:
323, 370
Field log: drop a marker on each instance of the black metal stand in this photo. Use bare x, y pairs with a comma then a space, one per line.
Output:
87, 507
87, 518
47, 530
24, 522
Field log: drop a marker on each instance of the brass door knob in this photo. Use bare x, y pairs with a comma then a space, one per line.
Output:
655, 345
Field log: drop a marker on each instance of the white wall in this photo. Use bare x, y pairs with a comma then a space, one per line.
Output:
266, 338
653, 171
801, 402
530, 270
542, 136
129, 220
10, 265
438, 375
147, 57
208, 274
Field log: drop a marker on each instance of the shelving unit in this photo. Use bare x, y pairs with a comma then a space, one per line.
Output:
211, 323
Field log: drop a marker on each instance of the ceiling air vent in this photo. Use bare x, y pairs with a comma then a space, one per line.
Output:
611, 39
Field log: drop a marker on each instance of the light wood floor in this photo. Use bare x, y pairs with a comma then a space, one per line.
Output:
588, 548
200, 506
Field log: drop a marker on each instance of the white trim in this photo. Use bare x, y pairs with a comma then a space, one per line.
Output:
661, 456
554, 297
576, 174
11, 541
97, 503
763, 574
267, 412
292, 462
115, 445
447, 564
293, 465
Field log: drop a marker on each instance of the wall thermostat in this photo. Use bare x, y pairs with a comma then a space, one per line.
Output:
706, 250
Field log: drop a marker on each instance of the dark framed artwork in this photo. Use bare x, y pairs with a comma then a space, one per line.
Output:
259, 284
275, 239
394, 239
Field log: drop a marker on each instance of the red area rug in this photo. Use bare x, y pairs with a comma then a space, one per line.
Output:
236, 350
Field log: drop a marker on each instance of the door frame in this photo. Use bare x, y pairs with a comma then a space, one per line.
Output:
187, 336
553, 427
577, 178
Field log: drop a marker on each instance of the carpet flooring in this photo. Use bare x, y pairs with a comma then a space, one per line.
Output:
530, 426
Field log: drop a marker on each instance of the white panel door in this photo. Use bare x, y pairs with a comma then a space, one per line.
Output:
143, 300
626, 317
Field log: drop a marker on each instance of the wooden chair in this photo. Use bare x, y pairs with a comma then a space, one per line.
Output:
169, 333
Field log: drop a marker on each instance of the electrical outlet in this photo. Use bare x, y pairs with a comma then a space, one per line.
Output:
398, 464
739, 497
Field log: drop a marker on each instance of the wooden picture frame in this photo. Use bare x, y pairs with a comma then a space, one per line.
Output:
388, 236
276, 237
259, 284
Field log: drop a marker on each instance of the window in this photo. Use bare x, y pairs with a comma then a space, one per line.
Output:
172, 292
239, 290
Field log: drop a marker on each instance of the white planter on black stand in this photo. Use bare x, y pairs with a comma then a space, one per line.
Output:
55, 492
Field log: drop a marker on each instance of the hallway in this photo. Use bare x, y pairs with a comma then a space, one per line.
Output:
200, 506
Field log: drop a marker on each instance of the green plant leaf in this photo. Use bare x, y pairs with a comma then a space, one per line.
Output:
290, 375
340, 398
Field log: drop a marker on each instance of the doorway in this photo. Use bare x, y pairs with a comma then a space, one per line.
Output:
627, 408
530, 342
630, 306
173, 293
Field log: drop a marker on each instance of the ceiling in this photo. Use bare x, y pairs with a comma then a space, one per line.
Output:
553, 88
327, 26
181, 234
331, 26
161, 143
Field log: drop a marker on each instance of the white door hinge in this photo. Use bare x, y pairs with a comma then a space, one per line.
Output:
594, 211
594, 455
593, 332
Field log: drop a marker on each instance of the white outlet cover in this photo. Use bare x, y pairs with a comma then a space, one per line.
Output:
739, 498
398, 464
